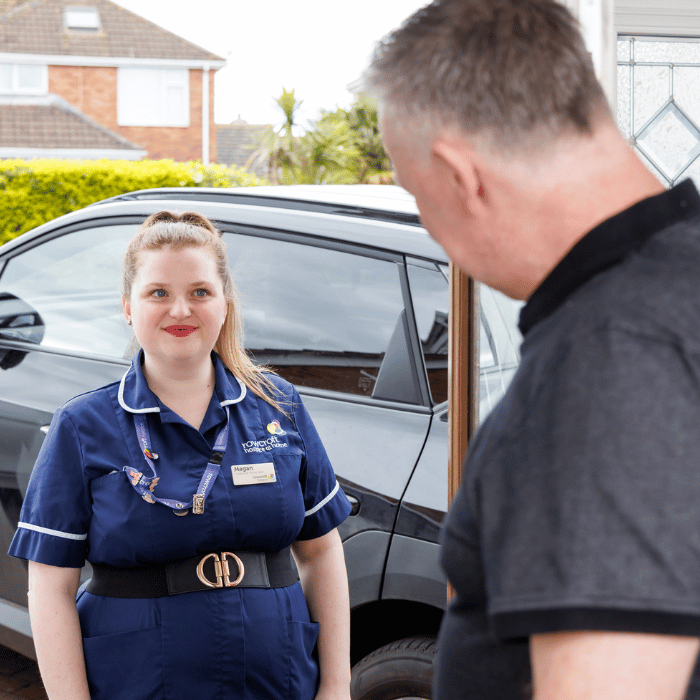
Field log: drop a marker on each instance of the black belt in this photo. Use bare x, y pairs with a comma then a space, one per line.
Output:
200, 573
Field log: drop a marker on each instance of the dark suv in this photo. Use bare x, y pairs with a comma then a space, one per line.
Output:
346, 296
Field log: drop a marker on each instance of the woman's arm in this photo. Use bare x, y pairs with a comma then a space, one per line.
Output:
56, 630
324, 579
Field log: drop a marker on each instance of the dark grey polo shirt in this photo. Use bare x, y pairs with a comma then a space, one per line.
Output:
580, 506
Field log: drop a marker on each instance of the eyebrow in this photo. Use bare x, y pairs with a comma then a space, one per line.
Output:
200, 283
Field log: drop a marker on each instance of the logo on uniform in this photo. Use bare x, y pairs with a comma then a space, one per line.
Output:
271, 443
275, 428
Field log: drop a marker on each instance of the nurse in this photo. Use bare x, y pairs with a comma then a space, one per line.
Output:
200, 492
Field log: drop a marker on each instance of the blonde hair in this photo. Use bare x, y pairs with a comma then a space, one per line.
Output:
192, 230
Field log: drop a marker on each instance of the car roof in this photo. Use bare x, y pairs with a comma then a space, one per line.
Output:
381, 202
388, 213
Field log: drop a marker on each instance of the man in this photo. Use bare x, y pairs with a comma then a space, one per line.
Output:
574, 542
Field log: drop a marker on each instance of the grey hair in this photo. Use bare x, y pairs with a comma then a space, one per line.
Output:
513, 73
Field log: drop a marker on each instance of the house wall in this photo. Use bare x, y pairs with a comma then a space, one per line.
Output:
93, 90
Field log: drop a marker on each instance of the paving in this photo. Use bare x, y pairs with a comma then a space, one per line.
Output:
19, 677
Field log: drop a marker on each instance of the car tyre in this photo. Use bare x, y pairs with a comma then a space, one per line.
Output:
402, 669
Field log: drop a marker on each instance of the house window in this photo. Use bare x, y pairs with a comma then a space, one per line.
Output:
25, 79
153, 97
81, 18
658, 103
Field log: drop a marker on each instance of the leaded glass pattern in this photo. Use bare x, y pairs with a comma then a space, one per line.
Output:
658, 104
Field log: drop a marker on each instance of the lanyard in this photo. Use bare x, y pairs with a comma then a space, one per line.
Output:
144, 485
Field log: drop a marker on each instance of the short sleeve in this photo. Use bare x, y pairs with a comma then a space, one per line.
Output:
326, 506
588, 511
55, 516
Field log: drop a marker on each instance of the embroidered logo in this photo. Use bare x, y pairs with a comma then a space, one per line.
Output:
268, 445
275, 428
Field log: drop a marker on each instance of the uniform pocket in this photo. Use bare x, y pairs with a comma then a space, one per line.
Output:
125, 666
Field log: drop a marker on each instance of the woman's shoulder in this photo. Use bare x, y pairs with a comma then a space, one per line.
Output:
280, 383
89, 402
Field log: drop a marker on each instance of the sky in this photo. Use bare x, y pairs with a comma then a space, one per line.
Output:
316, 47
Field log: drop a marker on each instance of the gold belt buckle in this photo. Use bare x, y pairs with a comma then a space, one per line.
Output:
221, 569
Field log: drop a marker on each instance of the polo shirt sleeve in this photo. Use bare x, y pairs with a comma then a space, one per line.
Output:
55, 515
588, 512
326, 506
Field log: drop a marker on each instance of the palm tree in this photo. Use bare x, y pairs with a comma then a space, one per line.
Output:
279, 149
342, 147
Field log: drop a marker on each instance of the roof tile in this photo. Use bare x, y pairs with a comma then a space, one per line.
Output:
236, 143
54, 126
37, 28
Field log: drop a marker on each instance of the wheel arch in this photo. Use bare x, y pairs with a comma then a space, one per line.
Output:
384, 621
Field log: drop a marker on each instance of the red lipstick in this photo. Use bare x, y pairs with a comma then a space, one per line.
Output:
180, 331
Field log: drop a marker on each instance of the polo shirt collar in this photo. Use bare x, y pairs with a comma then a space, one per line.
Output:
135, 396
607, 245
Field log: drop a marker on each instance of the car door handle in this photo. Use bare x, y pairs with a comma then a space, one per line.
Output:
44, 429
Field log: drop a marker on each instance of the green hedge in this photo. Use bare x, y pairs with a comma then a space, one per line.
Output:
35, 191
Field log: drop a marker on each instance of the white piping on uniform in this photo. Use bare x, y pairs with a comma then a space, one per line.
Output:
128, 408
47, 531
320, 505
240, 398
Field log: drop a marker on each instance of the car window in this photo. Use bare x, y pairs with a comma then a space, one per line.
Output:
64, 294
499, 346
499, 338
431, 304
322, 318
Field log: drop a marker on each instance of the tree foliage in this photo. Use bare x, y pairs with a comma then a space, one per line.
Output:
341, 147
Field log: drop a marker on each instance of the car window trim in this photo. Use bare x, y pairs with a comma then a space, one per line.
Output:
418, 358
364, 400
33, 241
309, 239
26, 346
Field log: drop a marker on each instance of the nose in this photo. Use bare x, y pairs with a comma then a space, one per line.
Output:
180, 308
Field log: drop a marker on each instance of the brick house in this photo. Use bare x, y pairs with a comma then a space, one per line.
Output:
87, 78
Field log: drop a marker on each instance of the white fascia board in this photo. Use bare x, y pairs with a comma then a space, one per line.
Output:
673, 18
71, 153
107, 61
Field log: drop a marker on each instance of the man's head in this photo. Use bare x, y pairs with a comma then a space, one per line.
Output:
494, 120
511, 74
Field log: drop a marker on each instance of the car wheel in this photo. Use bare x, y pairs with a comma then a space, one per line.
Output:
399, 670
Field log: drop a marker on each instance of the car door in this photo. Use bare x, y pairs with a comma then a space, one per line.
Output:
61, 333
334, 320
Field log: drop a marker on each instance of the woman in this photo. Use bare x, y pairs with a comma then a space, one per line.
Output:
185, 485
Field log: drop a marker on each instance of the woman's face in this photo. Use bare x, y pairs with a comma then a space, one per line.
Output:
177, 304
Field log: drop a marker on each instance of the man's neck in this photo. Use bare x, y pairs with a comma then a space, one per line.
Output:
581, 187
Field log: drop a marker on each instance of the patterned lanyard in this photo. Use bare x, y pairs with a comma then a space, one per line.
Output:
144, 485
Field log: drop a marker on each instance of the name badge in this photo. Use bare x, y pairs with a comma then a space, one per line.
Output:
246, 474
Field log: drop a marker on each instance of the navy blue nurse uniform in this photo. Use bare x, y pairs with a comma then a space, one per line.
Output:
237, 643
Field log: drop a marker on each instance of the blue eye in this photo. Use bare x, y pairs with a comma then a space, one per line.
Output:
159, 293
200, 292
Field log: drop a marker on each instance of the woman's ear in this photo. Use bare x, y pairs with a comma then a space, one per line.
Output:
126, 305
462, 170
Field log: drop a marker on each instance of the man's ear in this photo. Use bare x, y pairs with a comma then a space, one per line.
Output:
462, 171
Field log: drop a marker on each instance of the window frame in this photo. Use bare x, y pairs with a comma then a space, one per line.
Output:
86, 11
15, 89
161, 117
